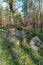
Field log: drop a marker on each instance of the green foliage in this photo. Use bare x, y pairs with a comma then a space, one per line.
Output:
40, 36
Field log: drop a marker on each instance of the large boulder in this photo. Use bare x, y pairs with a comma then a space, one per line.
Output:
35, 43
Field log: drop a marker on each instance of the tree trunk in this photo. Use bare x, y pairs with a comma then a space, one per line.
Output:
35, 13
40, 16
26, 15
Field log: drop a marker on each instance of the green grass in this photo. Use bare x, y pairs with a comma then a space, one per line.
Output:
2, 31
5, 55
23, 57
35, 56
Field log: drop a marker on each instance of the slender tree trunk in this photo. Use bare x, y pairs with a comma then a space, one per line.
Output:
41, 18
35, 13
26, 7
26, 14
39, 15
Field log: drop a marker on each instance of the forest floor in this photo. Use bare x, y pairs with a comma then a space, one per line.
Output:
13, 54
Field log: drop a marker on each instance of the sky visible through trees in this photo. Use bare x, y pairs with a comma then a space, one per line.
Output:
19, 3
